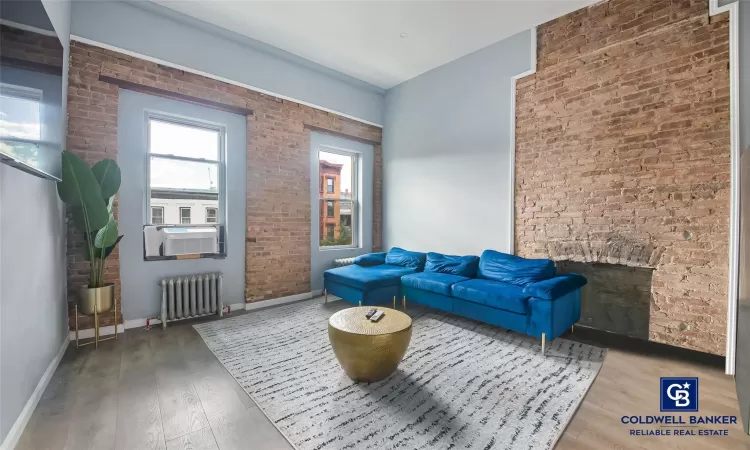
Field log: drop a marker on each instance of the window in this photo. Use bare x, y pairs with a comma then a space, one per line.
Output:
20, 112
338, 199
185, 166
211, 215
157, 215
185, 216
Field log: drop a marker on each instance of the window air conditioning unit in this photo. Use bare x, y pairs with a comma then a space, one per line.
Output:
188, 241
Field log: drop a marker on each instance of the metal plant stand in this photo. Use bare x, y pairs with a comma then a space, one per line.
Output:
97, 339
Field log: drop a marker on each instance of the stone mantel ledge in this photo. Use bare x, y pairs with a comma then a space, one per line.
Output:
646, 255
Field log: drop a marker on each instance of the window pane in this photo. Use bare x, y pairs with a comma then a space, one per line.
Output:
336, 174
181, 140
211, 215
20, 118
177, 206
335, 222
157, 215
184, 175
185, 216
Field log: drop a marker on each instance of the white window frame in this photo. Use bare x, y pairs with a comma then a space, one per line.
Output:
216, 216
356, 162
152, 208
221, 207
190, 215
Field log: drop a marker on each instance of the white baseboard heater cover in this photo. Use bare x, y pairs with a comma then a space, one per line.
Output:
190, 296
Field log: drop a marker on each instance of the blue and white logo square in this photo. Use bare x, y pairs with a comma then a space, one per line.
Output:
679, 394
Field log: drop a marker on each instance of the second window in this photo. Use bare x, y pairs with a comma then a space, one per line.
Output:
338, 198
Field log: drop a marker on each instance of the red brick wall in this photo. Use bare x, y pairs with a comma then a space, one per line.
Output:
622, 154
30, 46
278, 164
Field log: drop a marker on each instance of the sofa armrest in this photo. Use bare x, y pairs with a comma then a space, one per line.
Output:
555, 287
370, 259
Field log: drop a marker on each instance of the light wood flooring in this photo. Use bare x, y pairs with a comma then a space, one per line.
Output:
166, 390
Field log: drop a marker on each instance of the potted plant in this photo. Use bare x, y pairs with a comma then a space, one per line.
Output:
89, 194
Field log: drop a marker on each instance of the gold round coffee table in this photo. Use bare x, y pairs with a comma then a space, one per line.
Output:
369, 351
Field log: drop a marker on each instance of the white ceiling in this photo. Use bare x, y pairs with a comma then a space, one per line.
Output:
363, 38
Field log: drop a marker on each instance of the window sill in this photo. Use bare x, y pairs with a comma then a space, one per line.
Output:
339, 247
186, 257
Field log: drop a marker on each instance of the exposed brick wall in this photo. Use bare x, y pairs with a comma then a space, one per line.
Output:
30, 46
622, 149
278, 165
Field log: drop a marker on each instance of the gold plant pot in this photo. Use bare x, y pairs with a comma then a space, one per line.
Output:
101, 299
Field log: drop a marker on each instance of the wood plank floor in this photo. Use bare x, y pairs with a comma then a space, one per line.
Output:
166, 390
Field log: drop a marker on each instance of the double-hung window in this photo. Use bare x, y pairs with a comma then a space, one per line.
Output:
338, 206
211, 215
185, 169
157, 215
185, 216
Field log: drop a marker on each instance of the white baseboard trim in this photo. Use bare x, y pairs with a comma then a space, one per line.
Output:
237, 306
11, 439
131, 323
283, 300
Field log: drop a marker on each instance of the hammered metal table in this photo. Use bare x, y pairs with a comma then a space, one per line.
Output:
369, 351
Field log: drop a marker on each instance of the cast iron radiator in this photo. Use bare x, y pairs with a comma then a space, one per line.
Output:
191, 296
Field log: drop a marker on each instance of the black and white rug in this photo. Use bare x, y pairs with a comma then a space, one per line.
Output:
462, 384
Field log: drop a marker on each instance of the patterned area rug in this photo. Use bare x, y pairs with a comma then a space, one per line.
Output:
462, 384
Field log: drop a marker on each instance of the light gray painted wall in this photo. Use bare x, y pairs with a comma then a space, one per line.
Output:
322, 259
742, 354
59, 14
32, 272
141, 297
744, 87
33, 308
27, 12
446, 160
161, 33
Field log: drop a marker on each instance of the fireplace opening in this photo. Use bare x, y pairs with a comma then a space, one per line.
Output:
617, 298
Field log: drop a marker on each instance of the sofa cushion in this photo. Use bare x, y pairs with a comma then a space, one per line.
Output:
370, 259
511, 269
400, 257
492, 293
439, 283
555, 287
465, 266
367, 278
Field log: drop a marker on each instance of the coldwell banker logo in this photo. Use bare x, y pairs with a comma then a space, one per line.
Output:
679, 394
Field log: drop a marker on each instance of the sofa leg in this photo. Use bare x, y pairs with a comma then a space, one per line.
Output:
544, 339
360, 303
325, 293
403, 303
394, 302
571, 329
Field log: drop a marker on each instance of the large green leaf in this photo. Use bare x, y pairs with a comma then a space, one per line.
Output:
108, 175
107, 236
98, 252
79, 187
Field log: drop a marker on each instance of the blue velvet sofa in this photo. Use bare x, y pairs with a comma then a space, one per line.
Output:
524, 295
